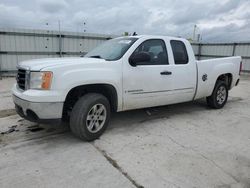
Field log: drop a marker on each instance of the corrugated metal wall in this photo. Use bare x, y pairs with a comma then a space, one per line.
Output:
217, 50
17, 45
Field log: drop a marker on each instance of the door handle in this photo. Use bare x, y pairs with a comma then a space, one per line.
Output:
166, 73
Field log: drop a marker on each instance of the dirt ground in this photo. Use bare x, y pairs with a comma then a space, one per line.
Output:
184, 145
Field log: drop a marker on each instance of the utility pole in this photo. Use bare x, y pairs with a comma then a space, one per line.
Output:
198, 37
195, 26
60, 39
84, 28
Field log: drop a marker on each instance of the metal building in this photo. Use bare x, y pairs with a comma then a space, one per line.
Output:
21, 44
218, 50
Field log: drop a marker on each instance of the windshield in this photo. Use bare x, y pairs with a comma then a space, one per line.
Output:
113, 49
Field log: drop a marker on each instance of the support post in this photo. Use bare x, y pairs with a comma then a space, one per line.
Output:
199, 51
234, 47
0, 65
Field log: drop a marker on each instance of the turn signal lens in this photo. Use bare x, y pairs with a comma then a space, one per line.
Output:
40, 80
46, 80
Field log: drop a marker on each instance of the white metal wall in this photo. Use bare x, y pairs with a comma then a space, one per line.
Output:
17, 45
217, 50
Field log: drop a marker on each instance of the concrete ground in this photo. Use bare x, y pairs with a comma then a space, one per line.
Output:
184, 145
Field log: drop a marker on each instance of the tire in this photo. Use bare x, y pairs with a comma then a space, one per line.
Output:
90, 116
219, 96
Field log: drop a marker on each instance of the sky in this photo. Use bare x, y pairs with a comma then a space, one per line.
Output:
216, 20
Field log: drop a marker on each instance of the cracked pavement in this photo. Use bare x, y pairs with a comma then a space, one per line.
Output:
183, 145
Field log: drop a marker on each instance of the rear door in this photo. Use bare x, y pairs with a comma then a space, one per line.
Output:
183, 70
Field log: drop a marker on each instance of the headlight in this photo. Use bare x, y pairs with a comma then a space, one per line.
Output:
40, 80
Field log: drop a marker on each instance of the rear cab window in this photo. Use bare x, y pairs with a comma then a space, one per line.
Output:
179, 52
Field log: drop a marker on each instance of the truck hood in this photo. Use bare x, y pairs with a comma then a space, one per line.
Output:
38, 64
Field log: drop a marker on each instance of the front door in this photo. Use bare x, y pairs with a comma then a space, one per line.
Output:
149, 83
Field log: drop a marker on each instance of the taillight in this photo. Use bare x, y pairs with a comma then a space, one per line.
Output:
240, 67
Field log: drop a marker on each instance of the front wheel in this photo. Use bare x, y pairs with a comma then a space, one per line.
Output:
219, 96
90, 116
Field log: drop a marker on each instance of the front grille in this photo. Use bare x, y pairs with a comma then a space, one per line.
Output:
21, 78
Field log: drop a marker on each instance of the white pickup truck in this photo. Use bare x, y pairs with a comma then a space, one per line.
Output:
121, 74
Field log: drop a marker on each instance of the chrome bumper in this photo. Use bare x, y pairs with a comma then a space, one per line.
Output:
38, 111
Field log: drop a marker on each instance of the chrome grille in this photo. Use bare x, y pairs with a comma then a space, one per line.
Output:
21, 78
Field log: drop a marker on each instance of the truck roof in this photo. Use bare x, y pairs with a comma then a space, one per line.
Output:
157, 36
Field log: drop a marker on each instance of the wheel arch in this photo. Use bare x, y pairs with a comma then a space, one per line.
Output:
227, 78
108, 90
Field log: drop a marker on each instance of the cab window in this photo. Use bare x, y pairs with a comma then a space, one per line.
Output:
179, 52
156, 48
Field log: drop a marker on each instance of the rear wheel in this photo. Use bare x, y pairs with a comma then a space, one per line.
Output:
90, 116
219, 96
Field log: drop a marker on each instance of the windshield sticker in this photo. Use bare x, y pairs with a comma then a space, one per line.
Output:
124, 41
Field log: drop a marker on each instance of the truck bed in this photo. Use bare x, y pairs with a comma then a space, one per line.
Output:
209, 70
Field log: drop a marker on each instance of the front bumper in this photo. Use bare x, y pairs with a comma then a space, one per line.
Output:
38, 111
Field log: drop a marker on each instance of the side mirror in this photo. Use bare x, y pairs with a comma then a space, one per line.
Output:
139, 58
